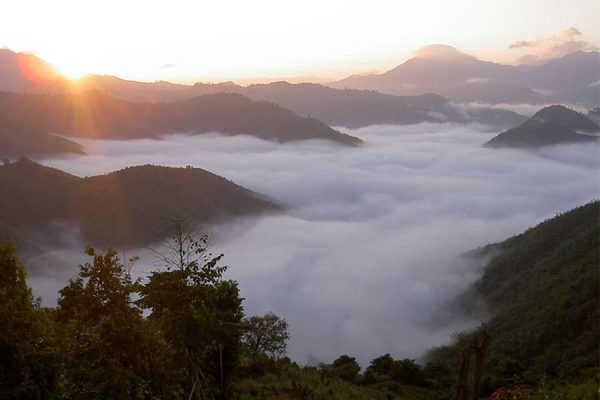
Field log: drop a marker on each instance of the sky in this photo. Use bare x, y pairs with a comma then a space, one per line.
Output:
366, 258
189, 41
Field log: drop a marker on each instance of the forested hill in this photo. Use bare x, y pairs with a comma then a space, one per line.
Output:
542, 288
134, 206
550, 126
95, 114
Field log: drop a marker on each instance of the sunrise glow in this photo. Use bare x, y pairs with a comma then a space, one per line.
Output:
185, 41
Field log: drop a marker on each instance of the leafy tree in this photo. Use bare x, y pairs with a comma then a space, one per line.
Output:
265, 334
199, 313
346, 368
28, 362
408, 372
382, 366
107, 348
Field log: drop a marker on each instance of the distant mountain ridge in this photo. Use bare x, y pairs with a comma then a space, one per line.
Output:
130, 207
347, 108
463, 78
550, 126
94, 114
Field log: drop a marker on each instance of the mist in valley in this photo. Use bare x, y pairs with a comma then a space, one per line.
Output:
366, 258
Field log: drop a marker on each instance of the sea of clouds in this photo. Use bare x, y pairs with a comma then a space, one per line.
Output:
366, 259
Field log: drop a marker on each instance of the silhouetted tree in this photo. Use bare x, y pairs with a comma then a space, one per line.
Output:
28, 362
107, 350
346, 368
383, 365
199, 313
265, 334
408, 372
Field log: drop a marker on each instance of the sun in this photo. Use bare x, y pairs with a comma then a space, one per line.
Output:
71, 71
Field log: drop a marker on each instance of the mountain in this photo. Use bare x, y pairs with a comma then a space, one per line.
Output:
549, 126
17, 140
335, 107
358, 108
542, 290
22, 72
133, 206
348, 108
460, 77
94, 114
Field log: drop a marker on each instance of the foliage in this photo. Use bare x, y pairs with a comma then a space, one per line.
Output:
346, 368
28, 360
265, 334
105, 343
542, 288
181, 333
200, 314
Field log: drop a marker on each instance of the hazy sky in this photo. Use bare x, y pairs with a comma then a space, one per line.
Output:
186, 41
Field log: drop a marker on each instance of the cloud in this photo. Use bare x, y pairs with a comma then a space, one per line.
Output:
544, 48
367, 257
595, 84
477, 81
168, 66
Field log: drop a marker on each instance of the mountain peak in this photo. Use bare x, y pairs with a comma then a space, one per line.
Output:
550, 126
442, 52
565, 116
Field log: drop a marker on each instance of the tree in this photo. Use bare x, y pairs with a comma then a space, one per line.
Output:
382, 366
28, 362
199, 313
346, 368
265, 334
107, 349
408, 372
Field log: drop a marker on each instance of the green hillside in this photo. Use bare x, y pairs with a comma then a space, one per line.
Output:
542, 288
134, 206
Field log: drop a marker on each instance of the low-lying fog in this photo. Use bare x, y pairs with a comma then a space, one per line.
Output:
367, 255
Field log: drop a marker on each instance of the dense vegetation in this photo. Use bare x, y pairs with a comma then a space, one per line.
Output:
549, 126
133, 206
543, 292
181, 333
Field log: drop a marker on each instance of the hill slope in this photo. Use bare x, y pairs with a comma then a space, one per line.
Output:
18, 140
550, 126
542, 289
134, 206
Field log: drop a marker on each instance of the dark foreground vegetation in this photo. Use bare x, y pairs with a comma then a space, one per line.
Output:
182, 334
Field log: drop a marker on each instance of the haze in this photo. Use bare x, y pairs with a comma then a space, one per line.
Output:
186, 41
371, 244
